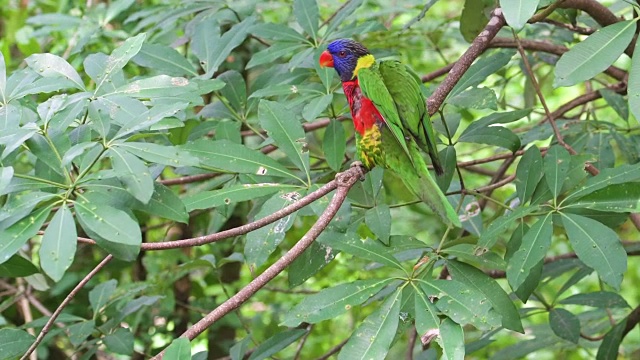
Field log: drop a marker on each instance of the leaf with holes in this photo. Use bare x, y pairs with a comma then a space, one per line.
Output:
231, 194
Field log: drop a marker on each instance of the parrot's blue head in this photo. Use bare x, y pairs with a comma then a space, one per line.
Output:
347, 57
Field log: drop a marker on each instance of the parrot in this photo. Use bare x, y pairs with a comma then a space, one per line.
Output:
391, 120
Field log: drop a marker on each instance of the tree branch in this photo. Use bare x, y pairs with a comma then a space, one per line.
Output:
344, 181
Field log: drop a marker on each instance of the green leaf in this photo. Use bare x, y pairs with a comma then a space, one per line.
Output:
212, 50
164, 59
160, 154
161, 86
518, 12
617, 102
606, 177
343, 13
120, 341
499, 227
600, 299
276, 343
610, 344
482, 68
623, 198
17, 266
133, 173
332, 302
473, 18
427, 320
6, 174
111, 228
372, 339
16, 235
232, 157
378, 219
316, 106
231, 194
478, 280
564, 324
597, 246
481, 131
273, 52
593, 55
312, 260
307, 15
3, 80
334, 144
528, 173
14, 343
264, 241
286, 131
462, 303
150, 117
475, 98
274, 31
180, 349
556, 165
100, 295
368, 249
20, 205
50, 65
471, 253
451, 340
633, 89
118, 59
235, 90
79, 332
59, 244
535, 244
238, 350
164, 203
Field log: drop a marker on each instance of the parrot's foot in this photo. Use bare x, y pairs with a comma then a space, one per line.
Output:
358, 164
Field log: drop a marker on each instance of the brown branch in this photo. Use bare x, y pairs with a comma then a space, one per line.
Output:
333, 350
63, 304
578, 29
344, 181
632, 320
477, 47
437, 73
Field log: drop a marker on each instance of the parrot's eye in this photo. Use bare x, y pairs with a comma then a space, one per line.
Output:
342, 53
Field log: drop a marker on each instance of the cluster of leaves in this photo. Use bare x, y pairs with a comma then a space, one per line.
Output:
205, 115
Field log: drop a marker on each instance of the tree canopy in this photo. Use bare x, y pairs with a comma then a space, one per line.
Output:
176, 182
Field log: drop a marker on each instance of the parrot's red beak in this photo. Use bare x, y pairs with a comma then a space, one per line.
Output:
326, 60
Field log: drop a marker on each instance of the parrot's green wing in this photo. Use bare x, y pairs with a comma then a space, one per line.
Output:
412, 109
373, 88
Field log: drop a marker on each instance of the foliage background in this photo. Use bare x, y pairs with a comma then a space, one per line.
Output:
123, 122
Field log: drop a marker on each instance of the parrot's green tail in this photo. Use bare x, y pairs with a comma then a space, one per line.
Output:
420, 182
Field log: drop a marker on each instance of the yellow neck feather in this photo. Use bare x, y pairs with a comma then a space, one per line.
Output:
363, 62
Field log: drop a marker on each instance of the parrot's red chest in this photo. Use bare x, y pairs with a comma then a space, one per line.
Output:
363, 111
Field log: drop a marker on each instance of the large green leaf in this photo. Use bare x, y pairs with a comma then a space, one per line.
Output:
528, 173
307, 15
180, 349
378, 219
100, 295
623, 197
272, 53
264, 241
481, 282
535, 244
609, 348
150, 117
14, 343
231, 194
160, 154
286, 131
165, 59
50, 65
473, 18
133, 173
606, 177
111, 228
427, 320
334, 144
482, 68
17, 266
462, 303
475, 98
16, 235
332, 302
59, 244
276, 343
373, 337
597, 246
164, 203
232, 157
368, 249
161, 86
556, 165
593, 55
80, 331
120, 341
118, 59
601, 299
451, 340
276, 32
481, 131
6, 174
633, 87
499, 227
565, 324
518, 12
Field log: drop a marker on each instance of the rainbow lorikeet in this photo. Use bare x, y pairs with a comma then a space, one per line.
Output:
390, 118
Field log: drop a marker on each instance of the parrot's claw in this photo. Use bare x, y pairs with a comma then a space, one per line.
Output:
360, 166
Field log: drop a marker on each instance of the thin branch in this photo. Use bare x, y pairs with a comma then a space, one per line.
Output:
436, 74
343, 182
64, 304
333, 351
477, 47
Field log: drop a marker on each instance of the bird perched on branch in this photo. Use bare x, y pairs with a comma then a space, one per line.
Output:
390, 118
